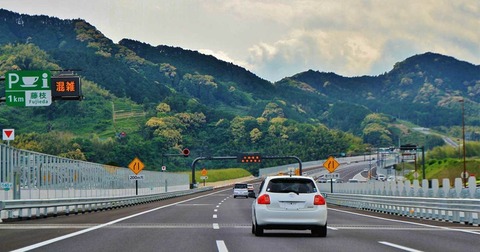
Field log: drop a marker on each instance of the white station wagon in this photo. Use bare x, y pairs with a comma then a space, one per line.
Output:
289, 202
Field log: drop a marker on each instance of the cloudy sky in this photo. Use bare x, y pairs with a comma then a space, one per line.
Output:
279, 38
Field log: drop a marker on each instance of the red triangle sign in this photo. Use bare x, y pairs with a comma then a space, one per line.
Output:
8, 133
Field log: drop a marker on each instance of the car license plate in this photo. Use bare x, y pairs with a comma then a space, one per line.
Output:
292, 205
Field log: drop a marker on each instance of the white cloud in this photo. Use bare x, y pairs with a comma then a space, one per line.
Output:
367, 37
279, 38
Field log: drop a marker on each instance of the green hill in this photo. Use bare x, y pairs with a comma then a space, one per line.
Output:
146, 101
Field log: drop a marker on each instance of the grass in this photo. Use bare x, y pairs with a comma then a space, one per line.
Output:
215, 175
446, 168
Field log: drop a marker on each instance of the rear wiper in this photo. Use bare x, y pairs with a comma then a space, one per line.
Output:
293, 192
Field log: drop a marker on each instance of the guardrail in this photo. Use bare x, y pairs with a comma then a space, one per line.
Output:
457, 210
46, 207
424, 188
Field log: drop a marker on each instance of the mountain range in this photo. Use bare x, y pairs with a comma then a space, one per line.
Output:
145, 100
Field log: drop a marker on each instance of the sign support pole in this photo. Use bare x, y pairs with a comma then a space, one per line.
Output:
331, 185
136, 187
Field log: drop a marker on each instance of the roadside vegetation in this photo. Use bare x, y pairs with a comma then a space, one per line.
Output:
446, 162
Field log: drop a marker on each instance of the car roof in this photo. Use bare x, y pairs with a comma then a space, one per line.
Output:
288, 176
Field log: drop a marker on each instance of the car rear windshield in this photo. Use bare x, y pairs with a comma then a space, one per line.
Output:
287, 185
241, 186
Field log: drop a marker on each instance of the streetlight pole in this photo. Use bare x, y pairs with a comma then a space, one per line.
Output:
464, 177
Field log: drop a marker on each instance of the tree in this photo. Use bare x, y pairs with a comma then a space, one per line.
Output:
163, 108
255, 135
272, 110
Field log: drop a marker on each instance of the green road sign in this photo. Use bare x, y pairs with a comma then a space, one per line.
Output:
28, 88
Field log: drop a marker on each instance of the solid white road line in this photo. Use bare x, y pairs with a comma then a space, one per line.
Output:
399, 246
221, 246
408, 222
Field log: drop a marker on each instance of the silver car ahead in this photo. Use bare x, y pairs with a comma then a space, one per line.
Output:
240, 190
289, 202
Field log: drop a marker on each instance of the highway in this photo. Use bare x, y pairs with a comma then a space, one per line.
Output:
215, 221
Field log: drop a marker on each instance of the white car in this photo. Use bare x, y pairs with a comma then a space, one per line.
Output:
381, 177
240, 190
289, 202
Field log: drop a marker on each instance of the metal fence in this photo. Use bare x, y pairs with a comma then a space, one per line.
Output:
457, 210
424, 188
31, 175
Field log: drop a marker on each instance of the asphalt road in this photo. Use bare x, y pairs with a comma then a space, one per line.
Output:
215, 221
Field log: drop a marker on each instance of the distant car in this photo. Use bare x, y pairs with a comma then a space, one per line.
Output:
240, 190
251, 191
289, 202
353, 180
381, 177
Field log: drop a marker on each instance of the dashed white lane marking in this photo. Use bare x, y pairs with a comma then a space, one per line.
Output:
214, 216
221, 246
399, 246
216, 226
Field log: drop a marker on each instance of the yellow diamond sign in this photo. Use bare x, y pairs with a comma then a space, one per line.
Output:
136, 166
331, 164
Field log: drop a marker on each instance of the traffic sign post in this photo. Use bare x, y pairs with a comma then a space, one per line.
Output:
249, 157
204, 175
8, 135
66, 87
136, 166
414, 148
136, 177
332, 176
331, 165
28, 88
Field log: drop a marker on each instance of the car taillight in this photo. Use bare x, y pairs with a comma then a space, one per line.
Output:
264, 199
319, 200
